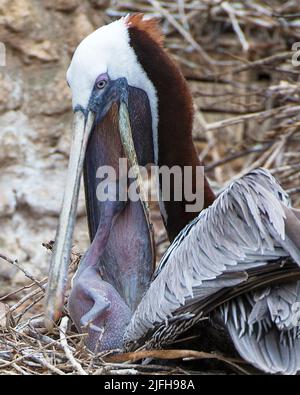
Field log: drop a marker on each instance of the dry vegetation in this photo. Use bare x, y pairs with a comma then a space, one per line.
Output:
237, 57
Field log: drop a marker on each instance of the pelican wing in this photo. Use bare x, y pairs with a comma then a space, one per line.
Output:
250, 226
264, 327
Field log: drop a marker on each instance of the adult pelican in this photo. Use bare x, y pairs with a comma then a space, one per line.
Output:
236, 261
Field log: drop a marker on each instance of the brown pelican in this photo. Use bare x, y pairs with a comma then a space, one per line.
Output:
237, 261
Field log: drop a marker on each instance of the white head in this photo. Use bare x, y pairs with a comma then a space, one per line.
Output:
108, 50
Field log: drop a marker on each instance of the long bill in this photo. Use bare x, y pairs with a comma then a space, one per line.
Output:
55, 294
63, 244
129, 150
128, 146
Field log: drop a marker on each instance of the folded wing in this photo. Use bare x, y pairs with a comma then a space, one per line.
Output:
250, 226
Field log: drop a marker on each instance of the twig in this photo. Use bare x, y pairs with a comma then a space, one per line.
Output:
174, 354
186, 35
284, 110
16, 264
19, 370
63, 340
269, 61
25, 299
237, 155
26, 287
35, 302
293, 191
227, 7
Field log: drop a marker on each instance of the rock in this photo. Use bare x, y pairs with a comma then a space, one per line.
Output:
54, 137
17, 15
3, 59
22, 238
8, 247
35, 127
44, 51
8, 201
11, 93
100, 4
16, 136
82, 27
47, 93
41, 192
63, 5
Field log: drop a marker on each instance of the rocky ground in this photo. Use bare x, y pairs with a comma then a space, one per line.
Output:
35, 122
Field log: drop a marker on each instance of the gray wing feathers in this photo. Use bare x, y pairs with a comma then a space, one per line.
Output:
292, 231
267, 354
243, 229
268, 335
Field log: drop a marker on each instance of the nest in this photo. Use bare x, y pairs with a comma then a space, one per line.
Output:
241, 61
27, 348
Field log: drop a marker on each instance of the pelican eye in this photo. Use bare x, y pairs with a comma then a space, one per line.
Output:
101, 84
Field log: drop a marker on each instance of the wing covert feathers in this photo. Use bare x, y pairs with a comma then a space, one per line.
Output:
249, 226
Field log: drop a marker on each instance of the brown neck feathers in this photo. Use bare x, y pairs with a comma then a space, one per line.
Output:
175, 112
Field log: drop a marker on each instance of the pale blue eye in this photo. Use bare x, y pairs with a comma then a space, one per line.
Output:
101, 84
